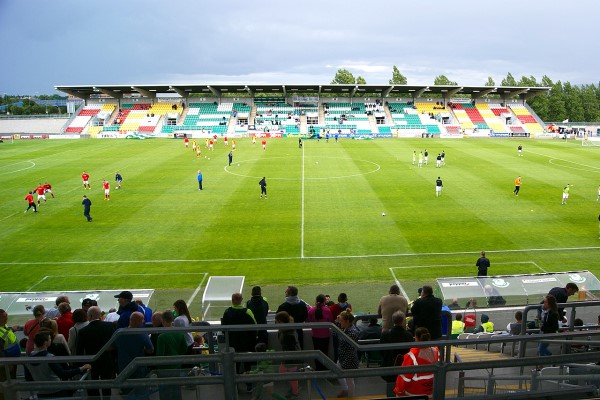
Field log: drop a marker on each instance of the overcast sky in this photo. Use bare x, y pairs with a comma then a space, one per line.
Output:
81, 42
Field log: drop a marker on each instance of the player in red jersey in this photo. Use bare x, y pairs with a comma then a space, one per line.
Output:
86, 180
48, 189
30, 201
106, 186
40, 193
264, 144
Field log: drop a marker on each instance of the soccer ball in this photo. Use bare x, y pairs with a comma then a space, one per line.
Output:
383, 214
209, 158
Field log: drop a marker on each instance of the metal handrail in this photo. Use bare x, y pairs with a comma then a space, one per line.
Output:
228, 358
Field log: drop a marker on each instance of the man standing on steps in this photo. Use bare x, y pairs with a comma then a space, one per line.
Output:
263, 187
199, 177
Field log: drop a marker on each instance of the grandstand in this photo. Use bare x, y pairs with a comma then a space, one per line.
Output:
398, 110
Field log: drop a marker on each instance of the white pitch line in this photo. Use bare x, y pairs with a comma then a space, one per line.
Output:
302, 209
193, 297
19, 170
9, 216
297, 258
550, 158
37, 283
105, 275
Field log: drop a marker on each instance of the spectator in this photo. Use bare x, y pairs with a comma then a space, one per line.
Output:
514, 328
51, 371
131, 346
147, 311
398, 334
372, 331
80, 320
320, 336
550, 318
348, 356
87, 303
341, 306
562, 296
288, 339
389, 304
90, 340
260, 308
328, 301
418, 384
183, 318
170, 343
53, 312
427, 313
112, 315
486, 326
458, 326
241, 341
126, 307
156, 323
65, 319
296, 308
59, 346
9, 346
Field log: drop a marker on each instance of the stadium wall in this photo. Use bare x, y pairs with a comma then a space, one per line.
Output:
31, 125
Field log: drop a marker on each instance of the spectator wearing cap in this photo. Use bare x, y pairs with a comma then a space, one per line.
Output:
126, 307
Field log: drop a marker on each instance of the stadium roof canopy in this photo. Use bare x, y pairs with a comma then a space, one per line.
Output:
184, 90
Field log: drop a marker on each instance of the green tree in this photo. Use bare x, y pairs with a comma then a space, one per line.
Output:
509, 80
397, 77
591, 105
573, 102
528, 81
443, 80
490, 82
343, 77
360, 80
556, 103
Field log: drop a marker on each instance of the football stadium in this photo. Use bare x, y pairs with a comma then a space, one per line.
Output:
350, 207
296, 201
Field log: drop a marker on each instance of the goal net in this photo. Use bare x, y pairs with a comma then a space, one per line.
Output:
590, 141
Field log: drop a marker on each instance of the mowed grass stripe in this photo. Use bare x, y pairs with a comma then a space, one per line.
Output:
160, 215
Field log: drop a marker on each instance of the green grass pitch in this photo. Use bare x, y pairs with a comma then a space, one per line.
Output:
321, 229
